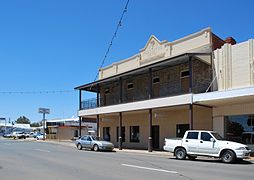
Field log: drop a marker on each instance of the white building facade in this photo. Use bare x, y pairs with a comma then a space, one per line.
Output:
197, 82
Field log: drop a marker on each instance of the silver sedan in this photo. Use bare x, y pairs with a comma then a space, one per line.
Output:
93, 143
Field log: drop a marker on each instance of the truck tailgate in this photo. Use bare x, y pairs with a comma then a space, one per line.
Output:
171, 143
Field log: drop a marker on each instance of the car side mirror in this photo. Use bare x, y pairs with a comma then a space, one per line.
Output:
212, 140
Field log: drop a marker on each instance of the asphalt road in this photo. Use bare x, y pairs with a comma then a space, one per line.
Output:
39, 160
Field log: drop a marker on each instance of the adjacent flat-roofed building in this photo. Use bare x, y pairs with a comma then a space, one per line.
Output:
170, 87
66, 129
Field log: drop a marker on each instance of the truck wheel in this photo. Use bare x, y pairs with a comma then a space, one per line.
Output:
180, 153
228, 156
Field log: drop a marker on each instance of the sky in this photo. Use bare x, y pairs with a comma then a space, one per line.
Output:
57, 45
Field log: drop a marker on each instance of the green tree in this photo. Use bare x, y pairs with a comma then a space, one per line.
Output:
35, 124
22, 120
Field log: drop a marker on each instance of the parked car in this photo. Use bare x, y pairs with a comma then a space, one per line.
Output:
35, 134
7, 135
93, 143
206, 143
40, 136
18, 135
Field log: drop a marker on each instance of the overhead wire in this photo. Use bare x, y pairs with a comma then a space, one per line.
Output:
112, 39
101, 65
38, 92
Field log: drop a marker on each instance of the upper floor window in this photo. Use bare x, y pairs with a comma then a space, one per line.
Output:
156, 80
130, 86
185, 73
106, 91
184, 80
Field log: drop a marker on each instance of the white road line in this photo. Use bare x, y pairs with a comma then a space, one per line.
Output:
42, 150
152, 169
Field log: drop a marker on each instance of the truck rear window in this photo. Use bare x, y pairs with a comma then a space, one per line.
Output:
192, 135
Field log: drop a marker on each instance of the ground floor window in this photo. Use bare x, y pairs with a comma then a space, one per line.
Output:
106, 133
240, 128
181, 129
123, 134
134, 133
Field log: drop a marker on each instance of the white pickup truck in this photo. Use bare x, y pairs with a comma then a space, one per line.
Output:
206, 143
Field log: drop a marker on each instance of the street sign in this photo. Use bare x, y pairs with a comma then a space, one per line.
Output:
44, 110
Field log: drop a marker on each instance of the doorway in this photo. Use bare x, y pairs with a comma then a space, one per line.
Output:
181, 129
156, 136
106, 133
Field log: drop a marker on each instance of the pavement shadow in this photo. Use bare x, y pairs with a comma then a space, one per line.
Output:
87, 149
214, 160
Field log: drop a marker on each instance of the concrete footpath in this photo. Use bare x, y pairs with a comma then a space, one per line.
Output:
144, 152
71, 144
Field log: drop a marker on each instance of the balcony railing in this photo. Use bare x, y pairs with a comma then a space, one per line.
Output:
160, 90
89, 104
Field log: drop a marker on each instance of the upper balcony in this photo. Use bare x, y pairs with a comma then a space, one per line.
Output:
183, 74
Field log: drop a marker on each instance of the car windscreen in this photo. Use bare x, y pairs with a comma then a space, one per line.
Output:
97, 138
217, 136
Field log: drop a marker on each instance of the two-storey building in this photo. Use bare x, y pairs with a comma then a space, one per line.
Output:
168, 88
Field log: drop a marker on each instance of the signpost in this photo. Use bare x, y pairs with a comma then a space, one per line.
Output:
44, 111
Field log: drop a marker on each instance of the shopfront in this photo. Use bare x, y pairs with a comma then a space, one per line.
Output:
240, 128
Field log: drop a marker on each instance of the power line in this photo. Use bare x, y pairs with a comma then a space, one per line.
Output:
37, 92
113, 37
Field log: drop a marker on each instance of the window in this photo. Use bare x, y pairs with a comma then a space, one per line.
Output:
185, 73
106, 133
130, 86
205, 136
240, 128
156, 80
134, 133
181, 129
123, 134
192, 135
84, 138
106, 91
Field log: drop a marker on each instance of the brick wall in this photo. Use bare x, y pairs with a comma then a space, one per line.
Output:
168, 85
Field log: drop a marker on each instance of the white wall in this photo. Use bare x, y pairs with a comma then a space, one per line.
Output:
234, 65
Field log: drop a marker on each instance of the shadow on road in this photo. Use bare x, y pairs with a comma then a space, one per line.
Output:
214, 160
84, 149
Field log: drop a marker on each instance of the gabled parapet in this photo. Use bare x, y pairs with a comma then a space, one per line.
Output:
156, 50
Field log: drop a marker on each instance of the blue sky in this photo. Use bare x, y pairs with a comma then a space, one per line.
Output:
52, 45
